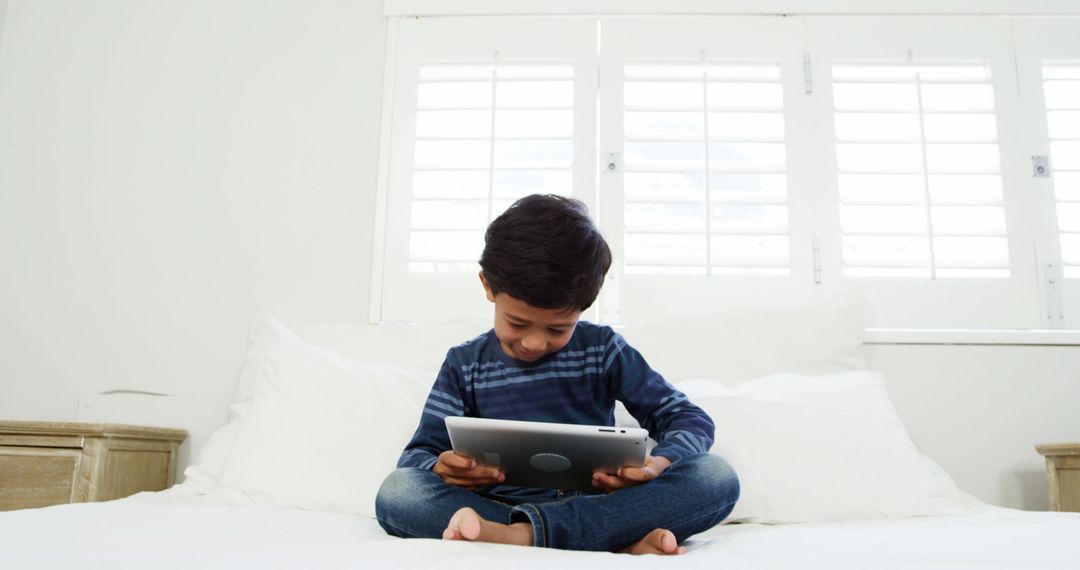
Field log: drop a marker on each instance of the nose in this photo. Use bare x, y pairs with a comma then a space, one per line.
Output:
533, 342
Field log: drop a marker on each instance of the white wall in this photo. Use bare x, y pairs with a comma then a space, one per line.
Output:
167, 169
980, 410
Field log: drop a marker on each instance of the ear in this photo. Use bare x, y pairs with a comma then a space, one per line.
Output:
487, 288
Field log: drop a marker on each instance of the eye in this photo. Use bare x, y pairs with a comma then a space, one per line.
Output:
558, 332
517, 326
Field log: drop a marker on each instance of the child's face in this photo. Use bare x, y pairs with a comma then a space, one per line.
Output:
529, 333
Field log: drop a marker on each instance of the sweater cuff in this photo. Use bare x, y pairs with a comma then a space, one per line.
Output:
429, 463
669, 452
418, 459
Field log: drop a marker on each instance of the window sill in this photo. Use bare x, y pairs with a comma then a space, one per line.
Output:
992, 337
706, 7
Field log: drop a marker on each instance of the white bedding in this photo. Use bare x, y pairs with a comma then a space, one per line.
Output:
866, 469
174, 529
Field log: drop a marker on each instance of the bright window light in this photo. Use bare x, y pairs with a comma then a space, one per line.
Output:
919, 171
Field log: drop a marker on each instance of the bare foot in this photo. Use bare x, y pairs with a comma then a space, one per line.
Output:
466, 524
659, 541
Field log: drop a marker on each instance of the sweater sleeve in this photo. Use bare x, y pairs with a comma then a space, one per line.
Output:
445, 399
680, 427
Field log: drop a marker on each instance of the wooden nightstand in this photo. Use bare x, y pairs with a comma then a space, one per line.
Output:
1063, 475
50, 463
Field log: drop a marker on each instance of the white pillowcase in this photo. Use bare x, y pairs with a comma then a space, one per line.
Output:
314, 429
821, 335
323, 431
817, 449
404, 344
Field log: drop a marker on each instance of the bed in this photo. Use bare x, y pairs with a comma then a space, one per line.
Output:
177, 529
830, 477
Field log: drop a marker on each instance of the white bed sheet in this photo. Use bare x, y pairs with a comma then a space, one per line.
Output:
181, 530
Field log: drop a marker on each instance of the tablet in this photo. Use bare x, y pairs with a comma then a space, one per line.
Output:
548, 455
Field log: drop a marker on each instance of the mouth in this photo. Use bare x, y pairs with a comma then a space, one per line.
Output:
526, 355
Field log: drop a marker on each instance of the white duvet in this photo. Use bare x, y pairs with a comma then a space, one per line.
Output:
175, 529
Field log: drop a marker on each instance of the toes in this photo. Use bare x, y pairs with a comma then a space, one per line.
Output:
668, 543
470, 526
464, 525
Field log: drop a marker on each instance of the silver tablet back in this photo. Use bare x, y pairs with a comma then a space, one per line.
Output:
549, 455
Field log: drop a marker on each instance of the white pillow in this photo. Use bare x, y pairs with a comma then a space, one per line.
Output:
323, 431
422, 345
822, 335
405, 344
817, 449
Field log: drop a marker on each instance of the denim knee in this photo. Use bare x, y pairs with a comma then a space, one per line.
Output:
713, 479
400, 493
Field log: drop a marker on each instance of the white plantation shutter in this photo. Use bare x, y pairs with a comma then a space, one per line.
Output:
484, 111
486, 135
705, 183
924, 156
744, 160
1047, 55
1061, 88
918, 169
706, 208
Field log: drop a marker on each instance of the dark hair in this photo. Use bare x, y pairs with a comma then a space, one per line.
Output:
546, 251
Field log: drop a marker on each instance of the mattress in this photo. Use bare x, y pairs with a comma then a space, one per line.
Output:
174, 529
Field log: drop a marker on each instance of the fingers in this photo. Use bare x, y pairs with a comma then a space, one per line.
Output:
474, 478
451, 459
479, 477
639, 474
468, 483
479, 472
464, 471
626, 477
653, 468
609, 483
636, 474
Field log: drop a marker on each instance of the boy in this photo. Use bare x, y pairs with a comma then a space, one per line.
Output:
543, 264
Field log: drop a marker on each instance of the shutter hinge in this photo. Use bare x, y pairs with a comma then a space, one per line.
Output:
807, 76
817, 262
1055, 315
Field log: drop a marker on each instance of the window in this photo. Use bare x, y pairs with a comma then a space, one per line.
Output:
1048, 66
745, 160
481, 112
918, 171
1061, 88
486, 134
705, 183
925, 202
707, 209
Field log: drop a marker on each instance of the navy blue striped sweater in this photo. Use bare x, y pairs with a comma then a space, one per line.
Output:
578, 384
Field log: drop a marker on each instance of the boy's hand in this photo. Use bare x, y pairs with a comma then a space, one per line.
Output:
630, 476
462, 471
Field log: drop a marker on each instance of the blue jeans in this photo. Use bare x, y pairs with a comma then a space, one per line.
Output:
691, 496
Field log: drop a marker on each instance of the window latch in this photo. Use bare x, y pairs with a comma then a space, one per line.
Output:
1040, 166
611, 162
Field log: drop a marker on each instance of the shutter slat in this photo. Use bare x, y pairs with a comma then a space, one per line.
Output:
705, 183
486, 135
919, 171
1061, 88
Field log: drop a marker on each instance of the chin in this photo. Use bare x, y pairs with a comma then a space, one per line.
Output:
528, 357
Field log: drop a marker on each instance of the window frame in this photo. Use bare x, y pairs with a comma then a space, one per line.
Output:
816, 255
397, 293
642, 297
917, 302
1038, 40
